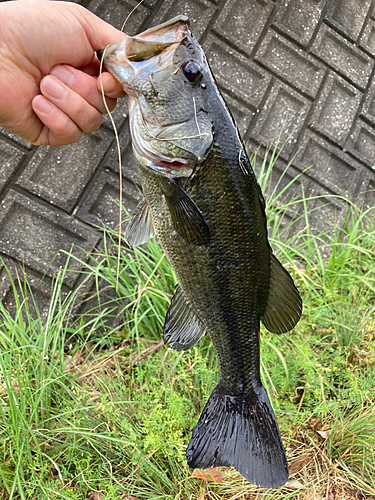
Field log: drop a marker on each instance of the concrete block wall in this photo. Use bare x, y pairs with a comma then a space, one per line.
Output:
285, 67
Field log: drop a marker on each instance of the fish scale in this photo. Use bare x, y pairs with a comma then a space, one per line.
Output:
203, 203
223, 308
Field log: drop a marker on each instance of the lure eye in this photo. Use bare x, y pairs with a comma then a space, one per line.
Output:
191, 70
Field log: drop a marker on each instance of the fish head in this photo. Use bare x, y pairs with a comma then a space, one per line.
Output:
163, 70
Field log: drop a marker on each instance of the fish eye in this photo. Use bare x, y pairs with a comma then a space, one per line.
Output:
191, 70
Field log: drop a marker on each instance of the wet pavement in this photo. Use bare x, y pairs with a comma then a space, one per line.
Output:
296, 67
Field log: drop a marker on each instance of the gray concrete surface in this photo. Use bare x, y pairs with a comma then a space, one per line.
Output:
294, 65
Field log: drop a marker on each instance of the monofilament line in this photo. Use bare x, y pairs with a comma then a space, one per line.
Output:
169, 139
131, 12
119, 168
196, 119
242, 166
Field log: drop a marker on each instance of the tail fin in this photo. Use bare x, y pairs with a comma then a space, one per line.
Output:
240, 431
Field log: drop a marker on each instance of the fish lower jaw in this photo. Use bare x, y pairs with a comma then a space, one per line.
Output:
173, 169
170, 169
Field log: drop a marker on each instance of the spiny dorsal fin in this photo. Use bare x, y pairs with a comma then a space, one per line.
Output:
182, 327
186, 217
140, 229
284, 304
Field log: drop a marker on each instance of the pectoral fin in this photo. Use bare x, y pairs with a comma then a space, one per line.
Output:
140, 229
186, 217
182, 327
284, 305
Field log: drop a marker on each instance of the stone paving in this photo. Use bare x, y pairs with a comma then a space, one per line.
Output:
301, 66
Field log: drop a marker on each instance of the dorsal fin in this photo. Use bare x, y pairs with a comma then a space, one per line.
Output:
182, 327
284, 304
140, 229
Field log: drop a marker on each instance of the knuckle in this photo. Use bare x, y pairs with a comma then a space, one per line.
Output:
92, 123
67, 133
87, 117
58, 140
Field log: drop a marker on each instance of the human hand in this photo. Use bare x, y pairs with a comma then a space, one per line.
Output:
49, 90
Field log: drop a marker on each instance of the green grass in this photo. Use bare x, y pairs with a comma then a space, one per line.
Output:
96, 417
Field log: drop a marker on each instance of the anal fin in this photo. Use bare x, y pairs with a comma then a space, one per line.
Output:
182, 327
284, 304
140, 229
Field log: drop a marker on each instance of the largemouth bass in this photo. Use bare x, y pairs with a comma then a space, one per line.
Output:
203, 203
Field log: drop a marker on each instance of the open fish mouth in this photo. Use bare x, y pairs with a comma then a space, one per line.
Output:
170, 128
133, 58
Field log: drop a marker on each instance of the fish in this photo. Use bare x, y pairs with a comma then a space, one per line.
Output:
203, 203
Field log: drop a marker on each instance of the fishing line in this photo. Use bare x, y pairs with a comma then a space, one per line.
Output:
153, 86
119, 167
171, 138
242, 166
118, 142
131, 12
195, 115
118, 148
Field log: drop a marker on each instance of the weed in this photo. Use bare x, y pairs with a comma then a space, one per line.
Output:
111, 416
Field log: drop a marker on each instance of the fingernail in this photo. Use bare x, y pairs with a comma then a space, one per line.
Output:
110, 86
54, 88
63, 74
43, 105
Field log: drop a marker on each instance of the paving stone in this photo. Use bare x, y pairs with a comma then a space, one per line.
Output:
342, 174
115, 12
128, 162
362, 143
119, 115
336, 108
299, 18
235, 73
367, 40
343, 56
16, 138
290, 63
283, 187
278, 64
243, 22
38, 286
242, 115
281, 118
199, 12
369, 199
10, 158
38, 236
349, 16
368, 109
101, 203
324, 209
60, 174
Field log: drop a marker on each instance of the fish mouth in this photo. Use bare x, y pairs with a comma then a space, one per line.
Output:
171, 143
119, 58
99, 54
